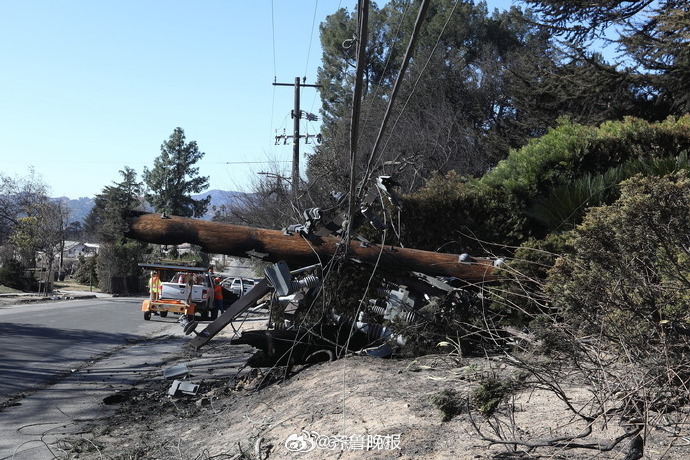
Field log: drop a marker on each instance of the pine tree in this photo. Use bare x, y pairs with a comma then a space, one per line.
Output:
174, 178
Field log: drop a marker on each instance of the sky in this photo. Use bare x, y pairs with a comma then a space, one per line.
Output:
89, 87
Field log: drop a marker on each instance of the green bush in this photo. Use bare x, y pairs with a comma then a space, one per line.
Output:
86, 271
491, 392
117, 267
563, 206
12, 275
550, 159
455, 214
519, 292
546, 186
449, 403
629, 275
571, 151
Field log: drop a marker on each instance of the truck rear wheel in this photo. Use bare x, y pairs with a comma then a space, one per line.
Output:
147, 315
164, 313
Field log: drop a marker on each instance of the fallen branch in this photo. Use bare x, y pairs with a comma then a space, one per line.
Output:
565, 442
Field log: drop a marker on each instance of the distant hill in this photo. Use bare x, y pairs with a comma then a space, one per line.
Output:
80, 207
220, 198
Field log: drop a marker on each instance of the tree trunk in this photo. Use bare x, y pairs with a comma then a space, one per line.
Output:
298, 250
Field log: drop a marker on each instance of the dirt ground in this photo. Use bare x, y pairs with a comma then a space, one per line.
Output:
353, 408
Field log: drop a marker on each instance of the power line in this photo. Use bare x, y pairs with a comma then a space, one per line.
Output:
275, 69
362, 31
421, 73
273, 36
398, 82
396, 36
248, 162
311, 38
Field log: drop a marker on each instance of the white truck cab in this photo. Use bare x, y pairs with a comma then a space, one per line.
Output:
177, 288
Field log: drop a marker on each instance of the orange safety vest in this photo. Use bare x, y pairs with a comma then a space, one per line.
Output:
218, 292
155, 284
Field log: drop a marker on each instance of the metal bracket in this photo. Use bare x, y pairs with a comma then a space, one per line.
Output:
278, 275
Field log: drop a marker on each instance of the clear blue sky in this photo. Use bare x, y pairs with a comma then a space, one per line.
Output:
88, 87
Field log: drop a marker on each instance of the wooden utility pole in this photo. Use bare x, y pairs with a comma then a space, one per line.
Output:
296, 116
299, 250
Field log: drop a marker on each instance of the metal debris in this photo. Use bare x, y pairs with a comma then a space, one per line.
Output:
176, 371
179, 386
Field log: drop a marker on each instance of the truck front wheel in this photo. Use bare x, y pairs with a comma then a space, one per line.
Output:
147, 315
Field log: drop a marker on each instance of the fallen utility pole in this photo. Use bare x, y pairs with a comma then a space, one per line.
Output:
237, 308
299, 249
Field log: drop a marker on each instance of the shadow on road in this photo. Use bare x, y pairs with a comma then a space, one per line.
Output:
33, 355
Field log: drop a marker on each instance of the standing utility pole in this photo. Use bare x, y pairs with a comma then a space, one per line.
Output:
296, 115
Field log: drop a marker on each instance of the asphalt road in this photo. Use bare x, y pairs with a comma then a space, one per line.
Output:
59, 359
39, 342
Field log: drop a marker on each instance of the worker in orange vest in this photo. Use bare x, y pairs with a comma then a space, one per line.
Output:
155, 285
218, 297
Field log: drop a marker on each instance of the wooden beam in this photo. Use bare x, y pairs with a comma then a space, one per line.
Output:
298, 250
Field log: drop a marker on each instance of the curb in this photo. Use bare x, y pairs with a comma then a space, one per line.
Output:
23, 299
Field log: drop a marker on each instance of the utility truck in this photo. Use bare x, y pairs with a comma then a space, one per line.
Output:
183, 290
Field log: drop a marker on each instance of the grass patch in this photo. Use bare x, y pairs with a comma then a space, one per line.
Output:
7, 290
72, 285
491, 393
450, 403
